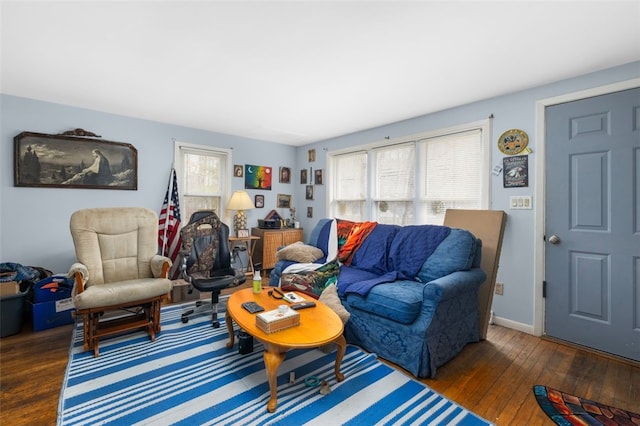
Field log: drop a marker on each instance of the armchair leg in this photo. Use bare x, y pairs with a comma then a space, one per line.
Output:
145, 317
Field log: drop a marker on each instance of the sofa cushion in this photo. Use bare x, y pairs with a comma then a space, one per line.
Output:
299, 252
330, 298
400, 301
455, 253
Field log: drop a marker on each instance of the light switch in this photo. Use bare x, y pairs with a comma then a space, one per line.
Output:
521, 202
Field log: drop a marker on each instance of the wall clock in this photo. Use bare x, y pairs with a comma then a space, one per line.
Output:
513, 142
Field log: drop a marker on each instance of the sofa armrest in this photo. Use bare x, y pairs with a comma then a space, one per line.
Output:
451, 285
160, 266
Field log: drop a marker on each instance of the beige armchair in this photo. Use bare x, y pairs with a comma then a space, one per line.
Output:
117, 269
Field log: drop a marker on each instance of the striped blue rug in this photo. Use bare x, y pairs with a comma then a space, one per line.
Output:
189, 377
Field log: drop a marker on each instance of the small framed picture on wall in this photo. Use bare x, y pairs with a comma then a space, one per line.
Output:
259, 201
285, 175
309, 211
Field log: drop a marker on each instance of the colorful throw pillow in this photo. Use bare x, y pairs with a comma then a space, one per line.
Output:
350, 237
299, 252
344, 228
311, 283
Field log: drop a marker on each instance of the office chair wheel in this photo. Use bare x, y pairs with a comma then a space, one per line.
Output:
198, 303
215, 324
185, 316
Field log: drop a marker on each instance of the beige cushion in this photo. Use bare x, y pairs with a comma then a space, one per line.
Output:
330, 298
118, 293
299, 252
115, 244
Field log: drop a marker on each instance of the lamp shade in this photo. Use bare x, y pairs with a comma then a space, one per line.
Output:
240, 200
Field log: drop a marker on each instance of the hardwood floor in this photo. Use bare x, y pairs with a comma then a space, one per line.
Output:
492, 378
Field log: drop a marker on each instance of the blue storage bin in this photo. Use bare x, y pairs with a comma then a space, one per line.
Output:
52, 314
55, 287
12, 311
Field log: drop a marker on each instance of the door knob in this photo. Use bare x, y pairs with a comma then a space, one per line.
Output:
554, 239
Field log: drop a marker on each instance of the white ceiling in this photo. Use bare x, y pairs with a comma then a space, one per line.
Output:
299, 72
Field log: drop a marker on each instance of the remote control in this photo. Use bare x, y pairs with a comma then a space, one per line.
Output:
303, 305
252, 307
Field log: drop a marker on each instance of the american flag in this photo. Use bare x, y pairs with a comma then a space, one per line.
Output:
169, 241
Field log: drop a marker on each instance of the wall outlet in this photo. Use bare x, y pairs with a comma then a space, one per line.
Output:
499, 289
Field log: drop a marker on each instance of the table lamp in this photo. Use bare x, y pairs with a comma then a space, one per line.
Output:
240, 201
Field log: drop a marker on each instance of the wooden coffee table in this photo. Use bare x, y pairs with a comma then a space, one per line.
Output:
318, 326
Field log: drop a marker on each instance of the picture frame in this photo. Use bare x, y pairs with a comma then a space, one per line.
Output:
258, 201
285, 175
515, 171
303, 176
318, 177
284, 201
257, 177
238, 170
309, 212
74, 159
309, 192
312, 155
243, 233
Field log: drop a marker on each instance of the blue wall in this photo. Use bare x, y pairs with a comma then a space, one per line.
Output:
34, 224
34, 221
511, 111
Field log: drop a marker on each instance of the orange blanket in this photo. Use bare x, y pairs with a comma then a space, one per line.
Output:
350, 236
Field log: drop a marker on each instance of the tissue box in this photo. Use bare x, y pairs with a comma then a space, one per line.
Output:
272, 321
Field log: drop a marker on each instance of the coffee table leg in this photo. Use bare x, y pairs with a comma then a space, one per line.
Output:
273, 357
342, 347
229, 321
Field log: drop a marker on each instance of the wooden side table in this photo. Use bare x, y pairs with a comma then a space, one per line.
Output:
250, 244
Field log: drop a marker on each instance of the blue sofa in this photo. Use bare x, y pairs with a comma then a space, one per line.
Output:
412, 291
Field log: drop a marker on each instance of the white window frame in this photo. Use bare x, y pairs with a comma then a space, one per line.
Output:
227, 171
485, 188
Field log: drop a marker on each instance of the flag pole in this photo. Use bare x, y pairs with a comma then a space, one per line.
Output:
166, 225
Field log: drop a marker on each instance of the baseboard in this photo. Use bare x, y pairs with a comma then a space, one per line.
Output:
504, 322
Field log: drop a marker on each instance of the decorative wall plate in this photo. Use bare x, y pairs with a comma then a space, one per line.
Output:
513, 142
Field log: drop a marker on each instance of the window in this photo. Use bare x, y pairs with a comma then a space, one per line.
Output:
412, 180
349, 185
452, 174
203, 178
393, 184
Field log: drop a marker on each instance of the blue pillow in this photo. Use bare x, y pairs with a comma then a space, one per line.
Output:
455, 253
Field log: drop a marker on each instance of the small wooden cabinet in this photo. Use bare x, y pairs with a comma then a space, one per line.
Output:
270, 241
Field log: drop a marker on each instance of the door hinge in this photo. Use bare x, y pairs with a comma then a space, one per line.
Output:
544, 289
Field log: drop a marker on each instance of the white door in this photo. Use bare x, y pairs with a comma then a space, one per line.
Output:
592, 231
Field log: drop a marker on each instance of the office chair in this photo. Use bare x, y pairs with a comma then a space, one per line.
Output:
206, 261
